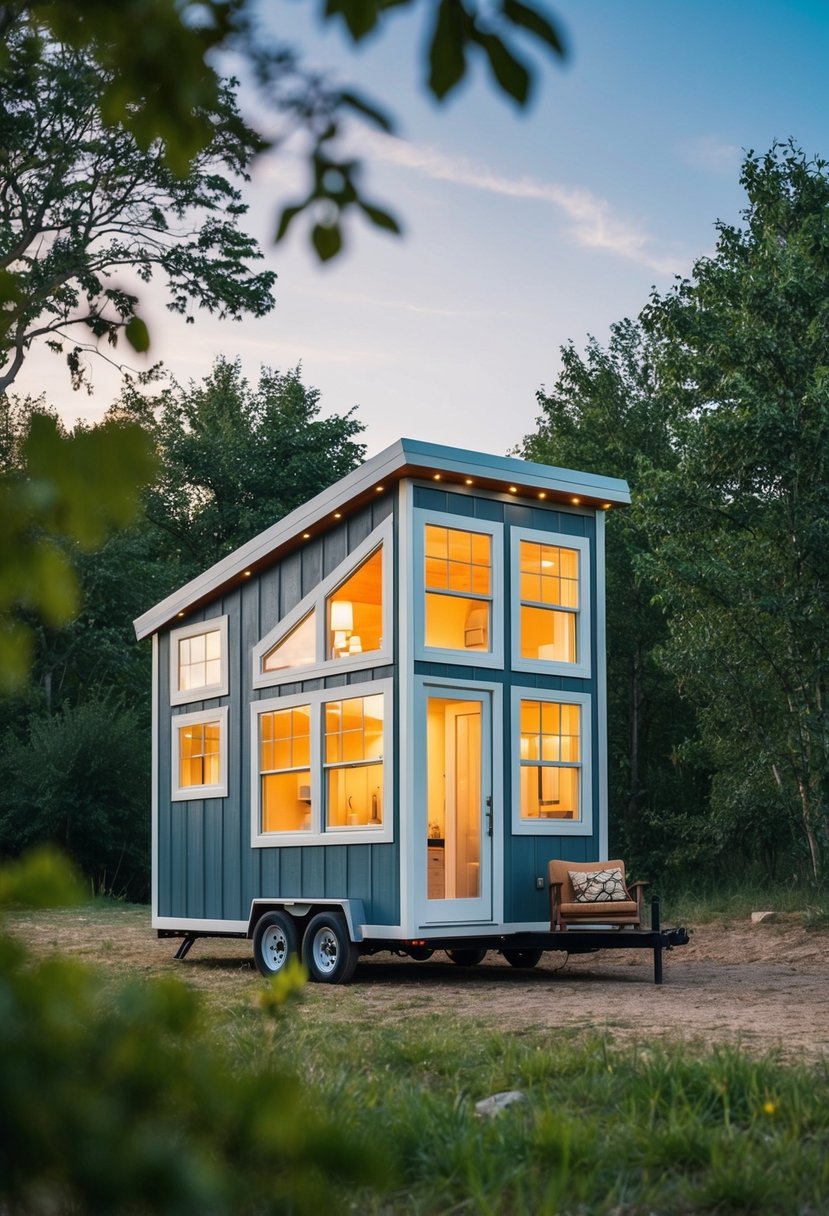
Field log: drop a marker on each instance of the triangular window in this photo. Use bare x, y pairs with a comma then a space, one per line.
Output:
344, 624
297, 649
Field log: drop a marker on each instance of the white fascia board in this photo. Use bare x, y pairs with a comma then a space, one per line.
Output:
405, 453
299, 521
517, 471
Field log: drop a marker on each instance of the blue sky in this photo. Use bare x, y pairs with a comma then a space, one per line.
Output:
523, 231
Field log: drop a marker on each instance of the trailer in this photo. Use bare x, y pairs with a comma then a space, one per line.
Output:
377, 722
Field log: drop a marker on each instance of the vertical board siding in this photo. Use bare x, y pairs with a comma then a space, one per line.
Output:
206, 867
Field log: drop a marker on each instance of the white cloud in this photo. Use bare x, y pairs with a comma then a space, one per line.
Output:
712, 154
594, 225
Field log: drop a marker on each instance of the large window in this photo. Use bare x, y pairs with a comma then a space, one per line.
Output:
551, 613
458, 582
319, 772
199, 755
198, 661
345, 623
285, 769
551, 763
354, 762
459, 611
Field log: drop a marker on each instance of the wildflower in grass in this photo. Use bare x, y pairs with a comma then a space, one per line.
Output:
769, 1107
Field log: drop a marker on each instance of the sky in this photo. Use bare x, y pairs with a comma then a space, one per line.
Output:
523, 230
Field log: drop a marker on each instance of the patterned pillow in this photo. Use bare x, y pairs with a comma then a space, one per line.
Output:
598, 886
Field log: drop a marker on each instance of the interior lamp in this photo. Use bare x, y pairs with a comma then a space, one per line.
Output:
342, 625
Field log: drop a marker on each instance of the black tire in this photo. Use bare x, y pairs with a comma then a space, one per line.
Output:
469, 956
328, 952
420, 953
522, 958
274, 942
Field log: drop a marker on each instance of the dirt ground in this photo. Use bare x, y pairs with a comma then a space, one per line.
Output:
763, 987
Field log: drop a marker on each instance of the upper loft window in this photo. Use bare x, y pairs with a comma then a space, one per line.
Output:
198, 661
551, 620
355, 611
459, 615
344, 623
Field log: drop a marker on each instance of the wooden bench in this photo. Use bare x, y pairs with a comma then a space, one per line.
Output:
566, 910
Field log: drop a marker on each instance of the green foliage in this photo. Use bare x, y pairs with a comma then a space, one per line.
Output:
41, 879
45, 503
740, 527
80, 779
607, 414
236, 458
154, 61
83, 200
126, 1103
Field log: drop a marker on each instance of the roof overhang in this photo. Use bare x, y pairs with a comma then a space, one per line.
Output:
407, 458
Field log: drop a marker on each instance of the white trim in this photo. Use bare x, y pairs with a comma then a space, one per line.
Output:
406, 457
185, 696
406, 699
382, 535
601, 683
317, 835
583, 826
154, 800
581, 669
228, 927
193, 793
433, 913
459, 523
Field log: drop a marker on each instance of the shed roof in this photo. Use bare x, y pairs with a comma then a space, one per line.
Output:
405, 458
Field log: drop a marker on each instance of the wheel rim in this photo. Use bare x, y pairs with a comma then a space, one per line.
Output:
326, 951
274, 948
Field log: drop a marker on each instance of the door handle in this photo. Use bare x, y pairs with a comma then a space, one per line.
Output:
489, 815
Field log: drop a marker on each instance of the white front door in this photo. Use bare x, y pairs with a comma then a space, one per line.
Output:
454, 806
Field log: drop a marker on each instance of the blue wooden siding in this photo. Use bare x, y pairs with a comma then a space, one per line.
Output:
206, 867
526, 857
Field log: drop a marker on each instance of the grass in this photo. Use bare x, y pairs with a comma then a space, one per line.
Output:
602, 1130
708, 901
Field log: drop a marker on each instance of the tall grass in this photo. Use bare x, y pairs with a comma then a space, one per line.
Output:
709, 899
602, 1129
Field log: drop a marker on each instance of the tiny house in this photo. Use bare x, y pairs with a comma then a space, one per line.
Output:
376, 722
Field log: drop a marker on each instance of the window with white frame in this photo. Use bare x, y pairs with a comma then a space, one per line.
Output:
198, 661
199, 755
551, 618
285, 769
345, 623
459, 607
551, 763
319, 771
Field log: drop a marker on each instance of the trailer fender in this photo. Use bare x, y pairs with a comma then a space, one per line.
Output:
303, 909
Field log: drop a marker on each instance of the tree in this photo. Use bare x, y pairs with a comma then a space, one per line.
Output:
83, 204
235, 458
740, 528
166, 97
49, 515
607, 414
128, 1101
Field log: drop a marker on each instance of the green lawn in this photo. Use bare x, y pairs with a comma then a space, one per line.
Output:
380, 1117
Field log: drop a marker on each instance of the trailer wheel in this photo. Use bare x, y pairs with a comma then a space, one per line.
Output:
522, 958
274, 942
469, 956
327, 950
